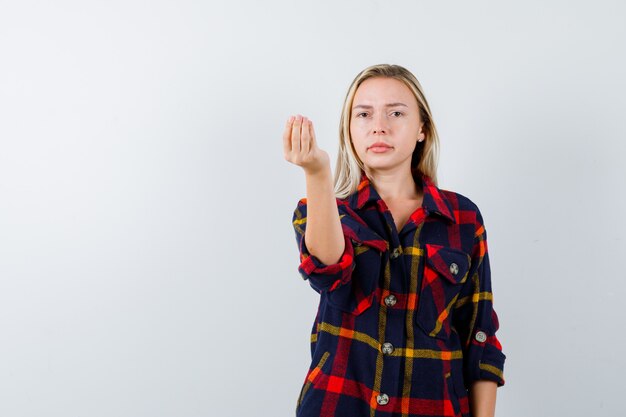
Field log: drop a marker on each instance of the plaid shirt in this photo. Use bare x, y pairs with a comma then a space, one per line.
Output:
405, 321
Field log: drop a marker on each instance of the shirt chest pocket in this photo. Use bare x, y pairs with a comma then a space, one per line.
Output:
358, 293
445, 269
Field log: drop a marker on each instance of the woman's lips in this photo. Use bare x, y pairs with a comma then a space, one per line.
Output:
380, 149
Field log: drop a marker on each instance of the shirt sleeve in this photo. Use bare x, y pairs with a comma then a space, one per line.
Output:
321, 276
476, 320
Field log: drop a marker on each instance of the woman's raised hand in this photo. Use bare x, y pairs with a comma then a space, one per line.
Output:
300, 146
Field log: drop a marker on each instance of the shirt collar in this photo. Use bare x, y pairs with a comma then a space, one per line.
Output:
434, 200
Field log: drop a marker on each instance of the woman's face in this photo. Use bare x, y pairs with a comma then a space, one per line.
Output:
385, 110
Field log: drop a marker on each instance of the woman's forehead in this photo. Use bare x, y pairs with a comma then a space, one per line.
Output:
383, 91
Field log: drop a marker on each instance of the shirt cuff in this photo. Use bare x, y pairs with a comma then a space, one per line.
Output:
326, 277
490, 362
491, 365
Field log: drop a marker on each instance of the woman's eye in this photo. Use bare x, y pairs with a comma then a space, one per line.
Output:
399, 113
359, 114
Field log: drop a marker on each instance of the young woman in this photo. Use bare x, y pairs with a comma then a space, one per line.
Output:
405, 324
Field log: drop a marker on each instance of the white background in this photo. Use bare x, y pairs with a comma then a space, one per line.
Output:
148, 265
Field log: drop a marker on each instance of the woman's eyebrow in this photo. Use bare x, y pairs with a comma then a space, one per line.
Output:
364, 106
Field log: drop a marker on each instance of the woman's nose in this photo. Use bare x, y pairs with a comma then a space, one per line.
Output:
380, 124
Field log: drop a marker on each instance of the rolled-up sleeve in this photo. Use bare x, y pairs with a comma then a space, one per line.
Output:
476, 320
321, 276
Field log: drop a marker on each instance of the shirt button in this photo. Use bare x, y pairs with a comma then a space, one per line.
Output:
396, 252
480, 336
382, 399
387, 348
454, 268
390, 300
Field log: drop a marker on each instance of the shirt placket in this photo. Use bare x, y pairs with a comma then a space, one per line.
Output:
392, 319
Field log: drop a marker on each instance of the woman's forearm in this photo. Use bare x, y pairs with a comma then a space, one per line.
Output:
483, 398
324, 236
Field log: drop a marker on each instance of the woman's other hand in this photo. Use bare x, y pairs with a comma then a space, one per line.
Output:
300, 146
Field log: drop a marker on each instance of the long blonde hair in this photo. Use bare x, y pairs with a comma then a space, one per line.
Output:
426, 153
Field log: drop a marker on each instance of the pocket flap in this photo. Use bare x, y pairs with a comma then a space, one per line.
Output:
362, 234
452, 263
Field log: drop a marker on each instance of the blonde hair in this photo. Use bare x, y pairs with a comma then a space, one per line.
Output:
426, 153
